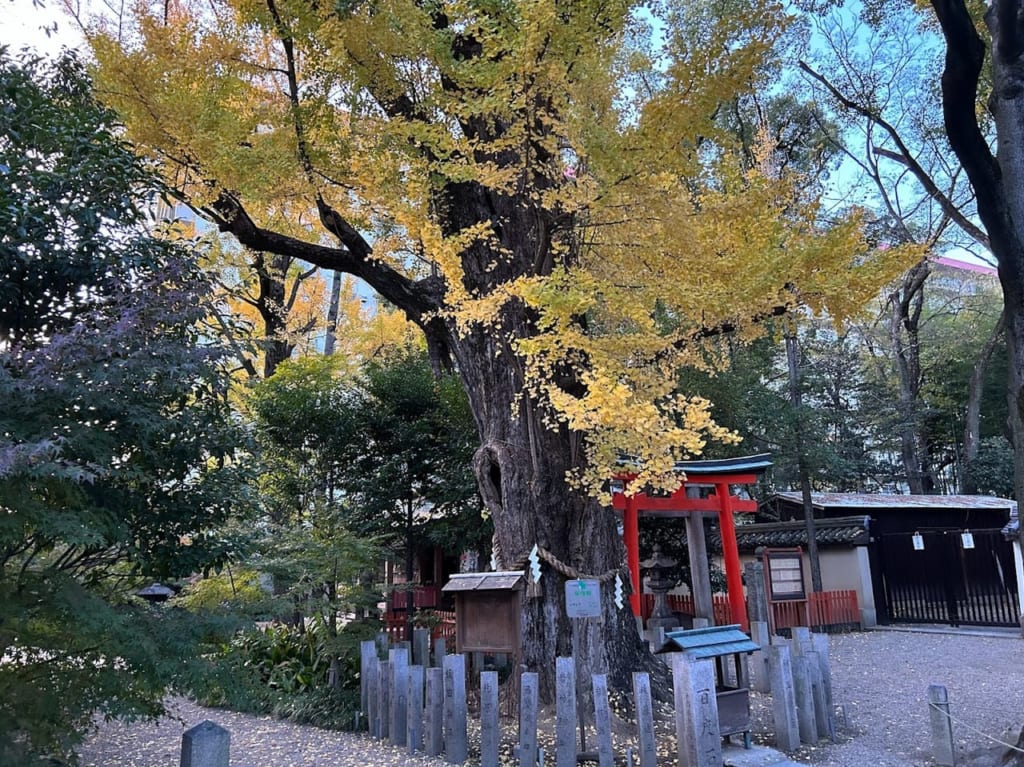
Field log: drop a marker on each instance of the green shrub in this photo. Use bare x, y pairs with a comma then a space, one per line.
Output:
283, 671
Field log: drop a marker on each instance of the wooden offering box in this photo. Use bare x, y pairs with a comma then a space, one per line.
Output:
725, 645
488, 609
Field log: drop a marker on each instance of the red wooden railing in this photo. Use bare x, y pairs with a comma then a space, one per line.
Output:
834, 608
828, 609
394, 626
423, 598
821, 611
684, 604
446, 628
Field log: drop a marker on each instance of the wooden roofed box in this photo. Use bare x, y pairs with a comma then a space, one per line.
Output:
488, 610
721, 644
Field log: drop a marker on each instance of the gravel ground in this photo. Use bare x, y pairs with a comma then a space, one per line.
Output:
880, 680
256, 741
880, 683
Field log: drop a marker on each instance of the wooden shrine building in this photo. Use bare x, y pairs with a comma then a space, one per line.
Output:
705, 489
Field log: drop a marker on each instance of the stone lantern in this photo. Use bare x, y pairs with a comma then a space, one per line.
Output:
660, 571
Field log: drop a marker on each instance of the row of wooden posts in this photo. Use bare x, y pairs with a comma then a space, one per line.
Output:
422, 706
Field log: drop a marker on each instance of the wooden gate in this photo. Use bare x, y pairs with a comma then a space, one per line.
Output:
943, 579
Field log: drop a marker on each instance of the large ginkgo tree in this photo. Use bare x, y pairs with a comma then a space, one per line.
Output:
542, 187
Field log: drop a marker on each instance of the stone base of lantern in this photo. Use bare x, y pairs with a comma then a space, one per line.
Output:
668, 622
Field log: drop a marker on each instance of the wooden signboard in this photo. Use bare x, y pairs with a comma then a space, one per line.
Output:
784, 572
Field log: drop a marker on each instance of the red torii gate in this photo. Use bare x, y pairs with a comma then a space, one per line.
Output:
718, 473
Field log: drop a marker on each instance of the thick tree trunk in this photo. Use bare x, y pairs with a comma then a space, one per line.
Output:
998, 181
270, 305
1007, 106
521, 469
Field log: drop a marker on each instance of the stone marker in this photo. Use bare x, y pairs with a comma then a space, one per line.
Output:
528, 720
205, 745
421, 647
759, 633
456, 746
801, 640
385, 698
565, 712
942, 725
697, 729
820, 642
367, 654
804, 700
648, 751
373, 695
382, 643
414, 712
780, 672
440, 651
490, 732
603, 721
434, 710
701, 623
818, 694
399, 659
757, 601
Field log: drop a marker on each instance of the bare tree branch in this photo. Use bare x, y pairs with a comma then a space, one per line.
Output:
902, 156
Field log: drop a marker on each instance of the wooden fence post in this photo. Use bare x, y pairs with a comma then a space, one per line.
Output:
603, 721
528, 720
697, 728
435, 711
385, 698
648, 751
367, 653
456, 747
780, 670
373, 695
565, 712
490, 731
414, 713
421, 646
399, 659
942, 725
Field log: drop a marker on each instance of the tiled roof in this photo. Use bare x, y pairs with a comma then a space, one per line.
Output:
840, 531
883, 501
756, 464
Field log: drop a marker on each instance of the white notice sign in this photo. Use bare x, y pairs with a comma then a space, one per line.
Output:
583, 599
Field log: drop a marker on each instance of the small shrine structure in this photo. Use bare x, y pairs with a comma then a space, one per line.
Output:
706, 488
